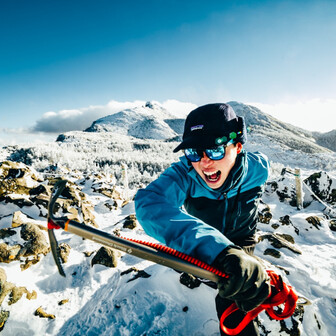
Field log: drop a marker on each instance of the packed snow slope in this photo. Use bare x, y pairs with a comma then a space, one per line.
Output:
107, 292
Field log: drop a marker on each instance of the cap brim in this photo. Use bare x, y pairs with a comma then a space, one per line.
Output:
201, 142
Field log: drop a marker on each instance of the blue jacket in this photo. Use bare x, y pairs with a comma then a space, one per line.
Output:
161, 206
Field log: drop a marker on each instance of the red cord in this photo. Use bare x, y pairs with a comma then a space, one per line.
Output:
280, 293
180, 255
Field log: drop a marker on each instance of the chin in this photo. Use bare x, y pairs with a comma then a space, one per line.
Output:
214, 185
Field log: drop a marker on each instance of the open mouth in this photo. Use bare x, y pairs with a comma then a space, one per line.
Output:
212, 176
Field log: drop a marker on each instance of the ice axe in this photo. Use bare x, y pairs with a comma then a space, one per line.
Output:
281, 293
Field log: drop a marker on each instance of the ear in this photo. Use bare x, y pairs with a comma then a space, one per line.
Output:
239, 147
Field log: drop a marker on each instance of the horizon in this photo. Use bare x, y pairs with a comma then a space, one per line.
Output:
47, 128
65, 58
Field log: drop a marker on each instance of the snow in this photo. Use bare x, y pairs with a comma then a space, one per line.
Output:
104, 301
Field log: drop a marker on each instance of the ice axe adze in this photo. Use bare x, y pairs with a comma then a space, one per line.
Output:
281, 293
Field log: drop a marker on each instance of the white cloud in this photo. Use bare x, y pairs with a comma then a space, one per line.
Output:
80, 119
177, 108
77, 119
313, 115
17, 136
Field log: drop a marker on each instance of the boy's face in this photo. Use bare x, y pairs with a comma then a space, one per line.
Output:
215, 172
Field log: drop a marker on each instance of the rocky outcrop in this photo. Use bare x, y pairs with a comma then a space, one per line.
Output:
318, 186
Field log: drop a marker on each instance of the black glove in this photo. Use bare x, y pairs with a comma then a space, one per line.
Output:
248, 283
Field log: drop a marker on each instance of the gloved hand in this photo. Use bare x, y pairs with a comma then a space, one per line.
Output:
248, 283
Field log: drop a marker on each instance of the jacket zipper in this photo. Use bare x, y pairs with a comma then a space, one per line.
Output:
224, 197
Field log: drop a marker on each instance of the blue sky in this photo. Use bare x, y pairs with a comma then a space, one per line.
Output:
68, 55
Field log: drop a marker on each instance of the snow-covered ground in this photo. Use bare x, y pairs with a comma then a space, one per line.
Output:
105, 301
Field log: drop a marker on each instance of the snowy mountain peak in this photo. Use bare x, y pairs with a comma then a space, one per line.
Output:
143, 122
150, 104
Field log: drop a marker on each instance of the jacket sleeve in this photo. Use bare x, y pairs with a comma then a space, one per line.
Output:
159, 211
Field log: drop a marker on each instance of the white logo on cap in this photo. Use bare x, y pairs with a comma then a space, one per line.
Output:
197, 127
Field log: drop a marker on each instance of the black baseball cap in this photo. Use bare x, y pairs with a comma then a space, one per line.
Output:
212, 125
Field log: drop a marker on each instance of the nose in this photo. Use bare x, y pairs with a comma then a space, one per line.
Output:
205, 161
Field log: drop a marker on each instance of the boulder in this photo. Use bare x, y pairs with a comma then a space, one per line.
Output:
323, 186
36, 242
284, 189
106, 256
130, 222
17, 178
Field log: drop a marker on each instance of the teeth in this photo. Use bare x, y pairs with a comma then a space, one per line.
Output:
210, 173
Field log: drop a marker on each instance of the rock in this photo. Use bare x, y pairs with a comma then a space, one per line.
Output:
36, 241
29, 262
284, 188
265, 215
5, 290
41, 313
315, 221
323, 186
17, 293
285, 220
287, 237
17, 178
332, 225
189, 280
9, 253
3, 279
111, 205
40, 189
17, 199
4, 315
105, 256
64, 251
8, 232
107, 190
73, 202
20, 218
264, 212
63, 302
130, 222
280, 240
138, 274
272, 252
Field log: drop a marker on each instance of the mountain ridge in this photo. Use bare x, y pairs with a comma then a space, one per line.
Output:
152, 121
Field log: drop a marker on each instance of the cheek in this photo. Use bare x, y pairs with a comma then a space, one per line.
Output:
196, 166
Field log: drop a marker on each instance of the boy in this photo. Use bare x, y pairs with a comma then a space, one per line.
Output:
205, 205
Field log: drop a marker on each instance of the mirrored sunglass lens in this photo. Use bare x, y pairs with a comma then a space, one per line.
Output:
216, 153
192, 154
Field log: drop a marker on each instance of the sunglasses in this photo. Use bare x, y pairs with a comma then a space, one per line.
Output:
195, 155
